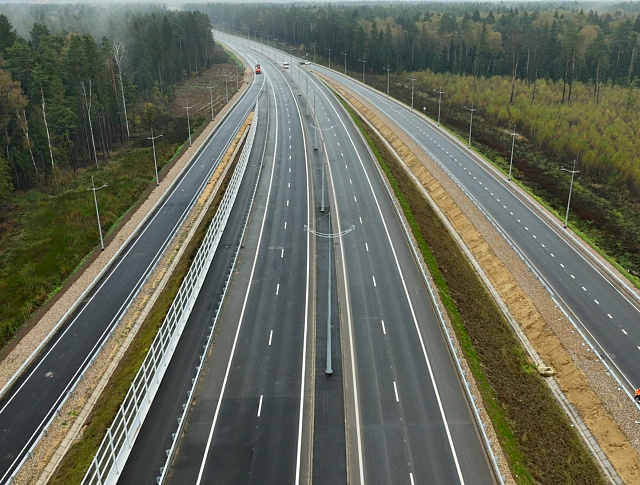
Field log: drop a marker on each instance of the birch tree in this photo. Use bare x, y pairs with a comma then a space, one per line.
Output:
87, 105
118, 56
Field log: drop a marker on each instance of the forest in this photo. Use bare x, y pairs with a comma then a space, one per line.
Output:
565, 75
84, 81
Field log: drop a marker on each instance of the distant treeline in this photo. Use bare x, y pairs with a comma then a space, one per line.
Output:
533, 40
70, 93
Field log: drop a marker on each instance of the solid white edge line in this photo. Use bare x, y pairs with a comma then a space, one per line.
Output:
406, 291
240, 321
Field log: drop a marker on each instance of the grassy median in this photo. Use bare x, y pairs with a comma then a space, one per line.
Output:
534, 433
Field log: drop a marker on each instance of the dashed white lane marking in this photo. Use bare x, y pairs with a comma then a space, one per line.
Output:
384, 330
360, 220
562, 265
624, 331
597, 302
287, 203
518, 221
395, 390
260, 405
345, 167
366, 245
534, 236
342, 154
354, 198
609, 315
573, 277
584, 288
526, 228
289, 167
552, 255
282, 253
374, 280
544, 246
270, 337
350, 181
289, 185
285, 225
277, 288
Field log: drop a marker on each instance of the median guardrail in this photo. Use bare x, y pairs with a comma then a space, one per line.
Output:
114, 450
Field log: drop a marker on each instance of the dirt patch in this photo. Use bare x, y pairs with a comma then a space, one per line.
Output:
586, 385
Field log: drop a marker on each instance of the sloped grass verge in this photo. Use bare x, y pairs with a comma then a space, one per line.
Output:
76, 462
533, 431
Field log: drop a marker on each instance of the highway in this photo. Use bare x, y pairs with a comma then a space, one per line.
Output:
605, 313
29, 404
247, 424
406, 417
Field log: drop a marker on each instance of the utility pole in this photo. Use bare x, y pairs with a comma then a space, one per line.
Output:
513, 142
573, 173
472, 109
440, 93
413, 82
95, 199
388, 69
345, 62
188, 120
155, 162
363, 63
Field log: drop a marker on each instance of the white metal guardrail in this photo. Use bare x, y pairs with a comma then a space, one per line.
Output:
117, 443
50, 335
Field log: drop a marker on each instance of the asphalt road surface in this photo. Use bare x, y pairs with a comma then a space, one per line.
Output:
28, 405
246, 424
606, 314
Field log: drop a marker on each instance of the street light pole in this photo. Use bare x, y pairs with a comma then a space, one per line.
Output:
188, 120
388, 69
314, 52
155, 163
95, 199
413, 82
472, 109
513, 142
211, 99
440, 93
329, 49
572, 172
345, 62
363, 63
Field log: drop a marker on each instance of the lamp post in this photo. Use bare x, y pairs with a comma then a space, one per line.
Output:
363, 63
513, 142
329, 49
440, 93
210, 98
572, 172
188, 120
388, 69
413, 82
155, 162
95, 199
314, 52
472, 109
345, 62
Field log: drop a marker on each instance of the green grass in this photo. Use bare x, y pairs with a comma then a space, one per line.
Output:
76, 462
54, 232
535, 435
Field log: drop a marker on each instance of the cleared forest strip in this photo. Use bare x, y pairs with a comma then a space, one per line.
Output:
550, 348
75, 425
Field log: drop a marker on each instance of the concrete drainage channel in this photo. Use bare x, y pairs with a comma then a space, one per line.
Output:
116, 446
